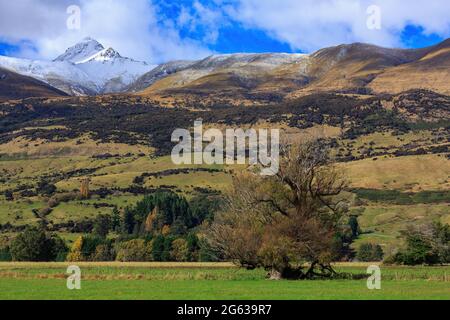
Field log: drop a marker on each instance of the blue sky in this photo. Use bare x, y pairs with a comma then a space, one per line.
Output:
161, 30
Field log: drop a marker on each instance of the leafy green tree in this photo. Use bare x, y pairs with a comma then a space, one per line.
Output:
36, 245
192, 246
115, 220
166, 256
378, 253
5, 254
354, 226
171, 209
203, 207
85, 248
102, 225
158, 248
127, 222
426, 244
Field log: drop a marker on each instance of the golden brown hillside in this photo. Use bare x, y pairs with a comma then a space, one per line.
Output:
15, 86
432, 72
355, 68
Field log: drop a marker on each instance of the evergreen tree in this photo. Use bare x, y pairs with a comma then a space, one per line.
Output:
354, 225
158, 248
115, 220
127, 223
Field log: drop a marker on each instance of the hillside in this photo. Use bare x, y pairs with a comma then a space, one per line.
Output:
393, 147
15, 86
431, 71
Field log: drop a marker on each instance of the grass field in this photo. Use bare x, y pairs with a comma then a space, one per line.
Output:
171, 281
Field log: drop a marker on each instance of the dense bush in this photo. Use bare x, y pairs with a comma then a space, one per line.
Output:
103, 252
9, 195
134, 250
369, 252
46, 188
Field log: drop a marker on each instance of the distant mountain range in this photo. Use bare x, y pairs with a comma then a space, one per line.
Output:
90, 69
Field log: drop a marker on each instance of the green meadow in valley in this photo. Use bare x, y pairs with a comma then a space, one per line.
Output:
150, 281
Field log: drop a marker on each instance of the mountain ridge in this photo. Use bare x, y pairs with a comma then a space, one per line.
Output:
88, 68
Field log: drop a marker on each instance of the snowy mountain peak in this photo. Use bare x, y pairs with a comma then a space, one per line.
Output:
85, 68
110, 53
102, 56
83, 50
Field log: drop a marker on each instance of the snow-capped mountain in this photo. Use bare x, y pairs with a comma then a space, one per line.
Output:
62, 75
160, 72
84, 69
83, 50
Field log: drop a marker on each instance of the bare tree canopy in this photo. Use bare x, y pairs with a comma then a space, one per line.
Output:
283, 221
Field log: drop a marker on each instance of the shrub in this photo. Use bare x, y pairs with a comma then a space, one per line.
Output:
179, 250
134, 250
45, 188
103, 252
9, 196
45, 212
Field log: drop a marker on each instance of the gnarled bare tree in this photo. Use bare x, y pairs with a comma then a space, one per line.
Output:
285, 223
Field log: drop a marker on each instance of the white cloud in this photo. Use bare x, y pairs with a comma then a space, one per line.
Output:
313, 24
129, 26
132, 27
199, 16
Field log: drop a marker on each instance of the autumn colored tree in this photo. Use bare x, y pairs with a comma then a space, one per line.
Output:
151, 218
84, 188
76, 252
134, 250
